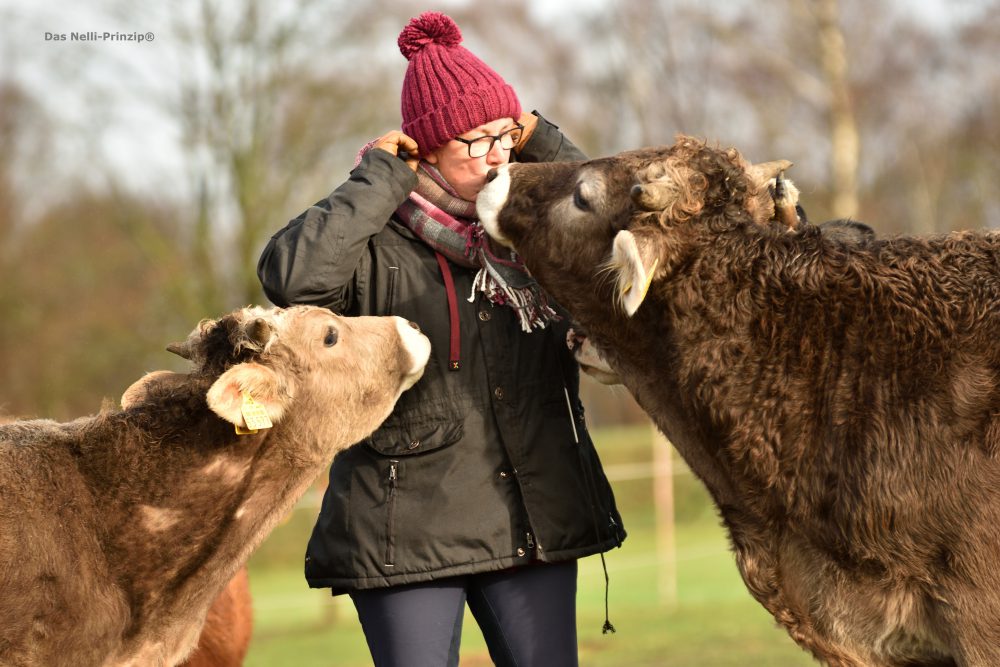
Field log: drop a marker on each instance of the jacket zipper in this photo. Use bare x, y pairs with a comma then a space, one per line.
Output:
390, 300
531, 542
613, 525
572, 419
390, 536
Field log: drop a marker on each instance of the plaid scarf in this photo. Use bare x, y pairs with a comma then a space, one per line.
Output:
448, 224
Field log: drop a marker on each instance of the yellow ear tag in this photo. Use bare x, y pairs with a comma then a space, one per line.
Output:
649, 278
254, 414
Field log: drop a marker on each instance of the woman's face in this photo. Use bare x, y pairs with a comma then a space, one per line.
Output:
467, 175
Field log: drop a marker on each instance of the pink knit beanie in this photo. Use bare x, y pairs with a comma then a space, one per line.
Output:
447, 90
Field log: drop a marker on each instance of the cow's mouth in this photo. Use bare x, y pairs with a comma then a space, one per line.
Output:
491, 199
591, 360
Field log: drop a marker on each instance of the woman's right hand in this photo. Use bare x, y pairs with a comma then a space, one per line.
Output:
397, 143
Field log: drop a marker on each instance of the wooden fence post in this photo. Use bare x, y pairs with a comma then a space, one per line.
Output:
663, 500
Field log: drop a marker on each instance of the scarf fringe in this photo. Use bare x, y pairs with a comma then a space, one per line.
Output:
532, 308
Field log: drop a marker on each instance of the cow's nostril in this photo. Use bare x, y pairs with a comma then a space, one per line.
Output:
491, 174
414, 325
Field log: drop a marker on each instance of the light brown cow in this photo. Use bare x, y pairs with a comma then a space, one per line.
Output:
118, 530
838, 394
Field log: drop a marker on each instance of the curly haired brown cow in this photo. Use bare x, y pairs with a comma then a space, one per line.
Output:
117, 531
839, 397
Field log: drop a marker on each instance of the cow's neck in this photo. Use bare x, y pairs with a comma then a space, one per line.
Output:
180, 511
737, 324
634, 354
694, 372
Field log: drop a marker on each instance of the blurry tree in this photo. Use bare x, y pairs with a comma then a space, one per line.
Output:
12, 104
773, 83
929, 134
88, 303
264, 95
25, 145
23, 128
843, 127
881, 108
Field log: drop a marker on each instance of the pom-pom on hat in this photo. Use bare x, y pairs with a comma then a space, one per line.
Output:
446, 90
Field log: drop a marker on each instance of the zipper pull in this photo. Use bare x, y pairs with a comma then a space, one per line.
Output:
531, 541
572, 419
392, 473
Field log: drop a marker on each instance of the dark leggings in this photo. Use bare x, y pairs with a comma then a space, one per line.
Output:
527, 615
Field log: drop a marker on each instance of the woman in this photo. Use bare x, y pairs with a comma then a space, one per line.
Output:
483, 486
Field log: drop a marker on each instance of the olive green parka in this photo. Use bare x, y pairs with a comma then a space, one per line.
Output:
477, 469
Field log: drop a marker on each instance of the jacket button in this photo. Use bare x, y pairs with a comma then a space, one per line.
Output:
504, 474
484, 316
498, 392
413, 444
520, 551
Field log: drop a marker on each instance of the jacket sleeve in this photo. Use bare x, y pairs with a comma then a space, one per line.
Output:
313, 260
548, 144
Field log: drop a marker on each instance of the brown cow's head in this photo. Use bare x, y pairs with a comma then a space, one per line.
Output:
625, 220
302, 358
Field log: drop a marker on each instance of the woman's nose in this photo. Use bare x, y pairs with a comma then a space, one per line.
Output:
497, 154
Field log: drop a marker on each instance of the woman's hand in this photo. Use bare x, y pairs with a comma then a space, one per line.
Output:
529, 121
401, 145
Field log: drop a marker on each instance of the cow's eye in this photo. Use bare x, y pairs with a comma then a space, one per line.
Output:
579, 201
331, 337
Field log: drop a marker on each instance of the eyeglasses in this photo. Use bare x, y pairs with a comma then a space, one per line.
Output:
480, 146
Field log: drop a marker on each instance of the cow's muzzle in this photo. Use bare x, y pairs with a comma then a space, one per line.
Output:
491, 201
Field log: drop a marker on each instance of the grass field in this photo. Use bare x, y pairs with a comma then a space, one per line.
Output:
712, 622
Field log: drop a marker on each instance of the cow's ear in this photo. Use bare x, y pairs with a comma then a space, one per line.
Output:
158, 382
246, 389
635, 261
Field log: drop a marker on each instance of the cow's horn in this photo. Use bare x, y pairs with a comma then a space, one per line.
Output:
181, 349
259, 332
653, 196
765, 171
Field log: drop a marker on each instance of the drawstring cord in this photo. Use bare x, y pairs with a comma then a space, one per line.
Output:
608, 627
592, 488
455, 340
607, 585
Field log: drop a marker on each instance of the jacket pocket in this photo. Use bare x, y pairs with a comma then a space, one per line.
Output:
418, 438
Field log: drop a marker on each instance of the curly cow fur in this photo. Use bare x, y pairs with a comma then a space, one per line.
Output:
837, 393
